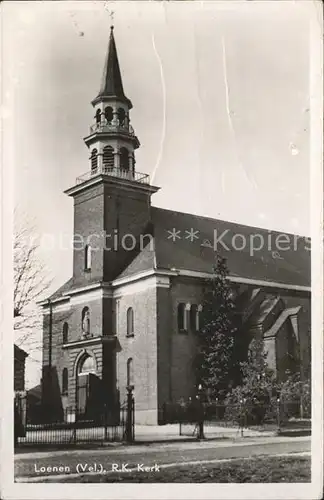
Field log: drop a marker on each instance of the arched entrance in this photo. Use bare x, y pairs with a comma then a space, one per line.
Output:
88, 385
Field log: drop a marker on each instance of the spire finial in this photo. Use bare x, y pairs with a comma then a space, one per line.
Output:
111, 15
111, 84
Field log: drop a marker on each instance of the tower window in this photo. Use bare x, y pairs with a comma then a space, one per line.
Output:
109, 115
124, 161
65, 333
98, 116
108, 157
87, 257
130, 322
65, 381
121, 116
94, 161
85, 320
130, 374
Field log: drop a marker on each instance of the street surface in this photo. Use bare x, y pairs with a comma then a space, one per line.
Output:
40, 464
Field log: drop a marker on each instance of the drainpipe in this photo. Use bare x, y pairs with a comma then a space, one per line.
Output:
50, 334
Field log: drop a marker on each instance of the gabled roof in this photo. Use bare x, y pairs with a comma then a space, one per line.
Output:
64, 288
144, 261
35, 391
281, 320
290, 266
111, 84
19, 353
286, 267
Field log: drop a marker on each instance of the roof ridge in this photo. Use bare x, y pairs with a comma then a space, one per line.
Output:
204, 217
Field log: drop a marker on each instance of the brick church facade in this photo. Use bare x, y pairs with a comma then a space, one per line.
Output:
129, 314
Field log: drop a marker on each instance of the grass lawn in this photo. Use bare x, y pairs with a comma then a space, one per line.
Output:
256, 470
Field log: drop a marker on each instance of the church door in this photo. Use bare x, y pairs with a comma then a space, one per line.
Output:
89, 390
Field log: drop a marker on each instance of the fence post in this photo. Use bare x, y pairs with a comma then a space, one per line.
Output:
105, 423
241, 416
278, 414
301, 403
201, 414
129, 414
245, 414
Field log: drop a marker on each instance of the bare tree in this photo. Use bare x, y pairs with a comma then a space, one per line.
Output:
30, 283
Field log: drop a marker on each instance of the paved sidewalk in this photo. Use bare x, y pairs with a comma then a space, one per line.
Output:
171, 432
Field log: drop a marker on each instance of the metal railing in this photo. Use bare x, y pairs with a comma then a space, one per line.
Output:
113, 126
114, 172
72, 427
279, 415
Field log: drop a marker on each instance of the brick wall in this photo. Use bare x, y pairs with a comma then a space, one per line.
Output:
162, 357
103, 213
302, 299
89, 221
142, 349
65, 358
183, 345
125, 213
164, 347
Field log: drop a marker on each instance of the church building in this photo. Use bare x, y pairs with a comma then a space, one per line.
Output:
130, 312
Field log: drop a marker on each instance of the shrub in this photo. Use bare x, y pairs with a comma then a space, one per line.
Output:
295, 394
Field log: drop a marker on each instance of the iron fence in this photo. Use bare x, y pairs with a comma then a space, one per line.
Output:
99, 425
275, 415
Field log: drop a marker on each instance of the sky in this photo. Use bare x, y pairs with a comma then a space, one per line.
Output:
221, 107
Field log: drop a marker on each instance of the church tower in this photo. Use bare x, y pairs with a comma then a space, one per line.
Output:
111, 200
112, 140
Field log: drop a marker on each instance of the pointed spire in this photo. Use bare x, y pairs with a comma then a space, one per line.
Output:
111, 84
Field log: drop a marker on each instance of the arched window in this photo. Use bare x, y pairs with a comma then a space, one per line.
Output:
121, 116
124, 161
130, 374
87, 257
94, 161
86, 321
98, 116
87, 365
65, 380
195, 317
130, 322
108, 157
109, 114
182, 320
65, 333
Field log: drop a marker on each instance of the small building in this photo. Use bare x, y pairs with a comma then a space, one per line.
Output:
19, 368
19, 392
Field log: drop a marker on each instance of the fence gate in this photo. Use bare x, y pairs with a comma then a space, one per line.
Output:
78, 426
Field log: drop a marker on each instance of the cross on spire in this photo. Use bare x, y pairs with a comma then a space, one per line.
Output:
111, 15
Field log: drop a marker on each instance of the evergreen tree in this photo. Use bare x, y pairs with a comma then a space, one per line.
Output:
258, 380
215, 363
